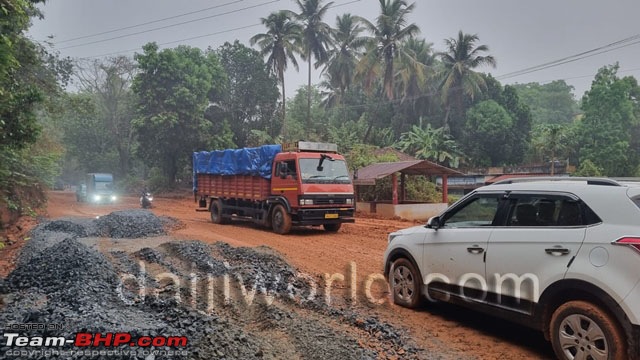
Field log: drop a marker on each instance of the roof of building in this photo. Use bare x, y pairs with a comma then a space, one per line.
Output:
389, 150
369, 174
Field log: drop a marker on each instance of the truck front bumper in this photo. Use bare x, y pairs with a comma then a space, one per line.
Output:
315, 216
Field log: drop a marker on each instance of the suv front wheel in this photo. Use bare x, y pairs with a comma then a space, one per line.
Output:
581, 330
405, 283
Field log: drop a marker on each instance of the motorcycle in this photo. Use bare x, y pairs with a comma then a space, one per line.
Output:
146, 200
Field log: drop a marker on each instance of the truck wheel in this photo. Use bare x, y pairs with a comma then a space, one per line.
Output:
280, 220
332, 227
581, 330
216, 213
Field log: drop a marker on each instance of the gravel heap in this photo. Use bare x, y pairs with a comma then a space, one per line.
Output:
130, 224
198, 254
150, 255
269, 272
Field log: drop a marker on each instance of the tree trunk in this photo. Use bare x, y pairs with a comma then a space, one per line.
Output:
284, 107
309, 96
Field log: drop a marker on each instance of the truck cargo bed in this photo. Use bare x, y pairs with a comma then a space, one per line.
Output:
233, 186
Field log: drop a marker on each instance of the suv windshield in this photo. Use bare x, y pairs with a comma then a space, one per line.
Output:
331, 172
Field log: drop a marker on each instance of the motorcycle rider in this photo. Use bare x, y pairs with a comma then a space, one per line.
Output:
145, 198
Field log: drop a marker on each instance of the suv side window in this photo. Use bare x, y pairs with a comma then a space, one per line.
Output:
478, 211
549, 210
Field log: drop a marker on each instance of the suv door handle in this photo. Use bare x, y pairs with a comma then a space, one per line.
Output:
475, 249
557, 251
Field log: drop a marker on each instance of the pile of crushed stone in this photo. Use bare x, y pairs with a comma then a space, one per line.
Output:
60, 280
130, 224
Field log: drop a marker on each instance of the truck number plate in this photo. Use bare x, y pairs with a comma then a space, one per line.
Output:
330, 216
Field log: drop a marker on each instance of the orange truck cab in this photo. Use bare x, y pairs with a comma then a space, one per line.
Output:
303, 183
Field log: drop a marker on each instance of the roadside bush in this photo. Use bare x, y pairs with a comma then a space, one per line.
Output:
418, 188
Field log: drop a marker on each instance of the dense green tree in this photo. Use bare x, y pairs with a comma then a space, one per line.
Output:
85, 136
30, 80
521, 129
519, 142
384, 48
279, 45
316, 36
459, 79
297, 110
608, 122
488, 131
552, 142
109, 81
174, 87
250, 99
551, 103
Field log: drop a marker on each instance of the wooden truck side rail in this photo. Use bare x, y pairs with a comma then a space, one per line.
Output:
233, 186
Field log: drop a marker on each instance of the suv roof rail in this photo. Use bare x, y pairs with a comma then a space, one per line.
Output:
589, 180
627, 179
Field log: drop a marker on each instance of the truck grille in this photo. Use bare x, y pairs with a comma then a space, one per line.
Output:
329, 201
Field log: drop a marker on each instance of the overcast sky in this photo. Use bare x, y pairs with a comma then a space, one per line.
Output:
520, 34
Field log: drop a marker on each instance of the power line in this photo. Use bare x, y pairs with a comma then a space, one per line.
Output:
632, 40
176, 41
169, 26
149, 22
572, 60
199, 36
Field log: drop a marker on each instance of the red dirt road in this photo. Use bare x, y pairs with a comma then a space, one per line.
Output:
451, 331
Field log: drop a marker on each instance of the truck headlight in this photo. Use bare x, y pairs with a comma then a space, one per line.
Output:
306, 202
113, 198
349, 202
97, 197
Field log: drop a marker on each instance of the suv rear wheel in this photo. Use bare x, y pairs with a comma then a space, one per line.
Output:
581, 330
405, 283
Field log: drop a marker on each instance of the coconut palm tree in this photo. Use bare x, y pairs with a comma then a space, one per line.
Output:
279, 45
458, 77
389, 30
420, 57
343, 57
315, 38
413, 83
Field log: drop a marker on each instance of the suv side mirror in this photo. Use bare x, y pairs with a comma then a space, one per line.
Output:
433, 223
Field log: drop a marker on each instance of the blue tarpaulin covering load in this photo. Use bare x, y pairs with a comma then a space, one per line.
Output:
246, 161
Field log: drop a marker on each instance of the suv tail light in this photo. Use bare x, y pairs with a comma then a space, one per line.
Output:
633, 242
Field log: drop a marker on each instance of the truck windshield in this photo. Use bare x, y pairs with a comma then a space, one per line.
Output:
332, 172
106, 186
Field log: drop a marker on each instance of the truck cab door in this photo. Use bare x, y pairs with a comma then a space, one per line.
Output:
285, 181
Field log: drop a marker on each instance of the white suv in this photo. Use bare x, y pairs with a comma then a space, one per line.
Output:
561, 255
